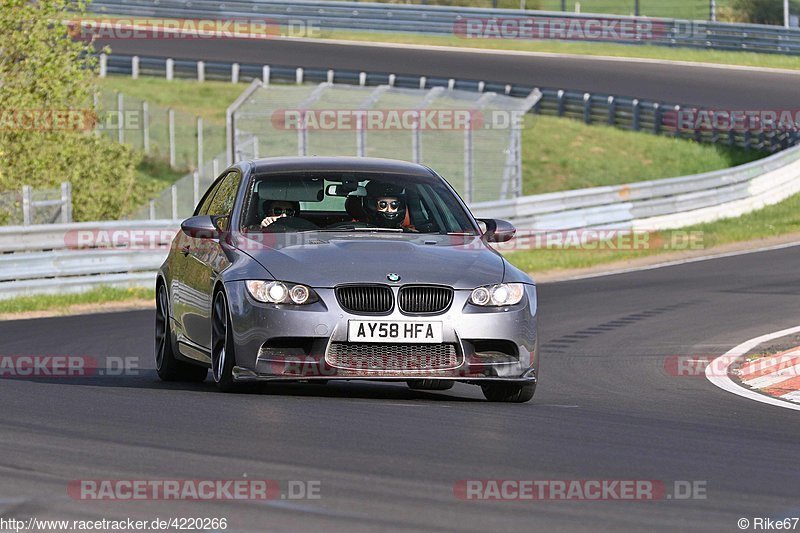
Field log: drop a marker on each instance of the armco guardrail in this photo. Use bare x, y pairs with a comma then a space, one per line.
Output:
49, 259
592, 108
660, 204
59, 258
444, 20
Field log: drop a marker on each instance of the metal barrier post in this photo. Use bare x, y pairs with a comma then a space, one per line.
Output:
612, 110
656, 118
174, 195
170, 69
135, 67
587, 108
235, 73
416, 141
196, 187
265, 75
201, 71
103, 65
26, 205
635, 114
302, 137
66, 202
152, 209
468, 166
361, 138
560, 99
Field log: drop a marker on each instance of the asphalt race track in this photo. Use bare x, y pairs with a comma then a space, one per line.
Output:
388, 458
719, 88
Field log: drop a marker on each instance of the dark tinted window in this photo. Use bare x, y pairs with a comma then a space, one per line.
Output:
224, 198
347, 200
202, 207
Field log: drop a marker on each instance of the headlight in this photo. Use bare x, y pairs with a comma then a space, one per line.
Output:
279, 292
498, 295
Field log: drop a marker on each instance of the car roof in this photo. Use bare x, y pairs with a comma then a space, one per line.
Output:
339, 164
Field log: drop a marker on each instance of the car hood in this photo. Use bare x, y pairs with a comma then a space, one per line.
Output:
322, 259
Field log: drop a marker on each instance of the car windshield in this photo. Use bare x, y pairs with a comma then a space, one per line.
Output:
353, 202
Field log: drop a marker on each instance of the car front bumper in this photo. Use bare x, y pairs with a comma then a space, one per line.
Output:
291, 343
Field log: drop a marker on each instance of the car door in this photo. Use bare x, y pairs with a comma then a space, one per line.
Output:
205, 258
182, 267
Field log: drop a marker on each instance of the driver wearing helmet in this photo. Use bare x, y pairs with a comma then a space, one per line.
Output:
385, 205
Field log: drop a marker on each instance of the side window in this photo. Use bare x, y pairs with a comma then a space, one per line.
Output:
222, 204
202, 207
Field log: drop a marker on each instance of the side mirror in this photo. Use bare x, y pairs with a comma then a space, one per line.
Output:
498, 230
201, 227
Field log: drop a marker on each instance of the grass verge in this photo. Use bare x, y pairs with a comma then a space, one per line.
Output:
63, 302
208, 99
561, 154
772, 221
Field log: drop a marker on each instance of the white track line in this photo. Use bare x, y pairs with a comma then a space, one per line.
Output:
717, 370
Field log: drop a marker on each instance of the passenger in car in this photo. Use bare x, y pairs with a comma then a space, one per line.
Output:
386, 206
275, 209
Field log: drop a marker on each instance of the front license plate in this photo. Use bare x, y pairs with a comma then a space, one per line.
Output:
394, 331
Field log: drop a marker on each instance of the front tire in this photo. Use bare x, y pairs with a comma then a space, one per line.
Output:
223, 356
509, 392
167, 366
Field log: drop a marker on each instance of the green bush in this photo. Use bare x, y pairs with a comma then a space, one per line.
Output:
43, 70
762, 11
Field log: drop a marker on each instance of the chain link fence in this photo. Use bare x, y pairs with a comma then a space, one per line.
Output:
28, 206
472, 139
160, 132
